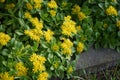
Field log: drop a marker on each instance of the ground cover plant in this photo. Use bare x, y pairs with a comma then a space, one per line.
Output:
40, 39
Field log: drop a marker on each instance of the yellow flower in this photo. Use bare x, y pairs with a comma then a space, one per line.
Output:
78, 28
76, 9
68, 42
38, 62
55, 47
67, 18
81, 16
111, 11
48, 35
34, 34
2, 1
118, 24
52, 4
80, 47
64, 4
29, 6
10, 6
43, 76
65, 50
37, 4
27, 15
68, 26
34, 57
21, 69
38, 67
35, 22
66, 47
53, 13
70, 69
56, 65
6, 76
37, 1
4, 38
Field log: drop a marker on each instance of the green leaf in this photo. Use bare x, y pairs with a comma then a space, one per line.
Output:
59, 55
5, 52
18, 45
43, 45
9, 22
4, 63
52, 68
20, 14
97, 34
118, 33
12, 41
97, 45
101, 5
19, 32
118, 49
105, 45
88, 31
112, 46
21, 21
2, 29
86, 10
1, 59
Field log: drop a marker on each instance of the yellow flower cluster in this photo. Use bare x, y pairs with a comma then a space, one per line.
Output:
43, 76
27, 15
66, 47
35, 22
68, 26
70, 70
38, 62
111, 11
34, 34
6, 76
80, 47
81, 16
48, 35
52, 13
2, 1
10, 6
4, 38
52, 4
29, 6
37, 4
76, 9
118, 24
21, 69
55, 47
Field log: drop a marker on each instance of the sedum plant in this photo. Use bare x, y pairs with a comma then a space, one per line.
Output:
106, 23
40, 39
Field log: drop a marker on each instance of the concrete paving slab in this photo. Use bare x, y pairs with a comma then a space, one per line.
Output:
97, 57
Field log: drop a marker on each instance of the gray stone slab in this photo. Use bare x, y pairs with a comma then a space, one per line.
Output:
96, 57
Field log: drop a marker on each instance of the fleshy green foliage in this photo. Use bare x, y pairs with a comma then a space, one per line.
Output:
46, 36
